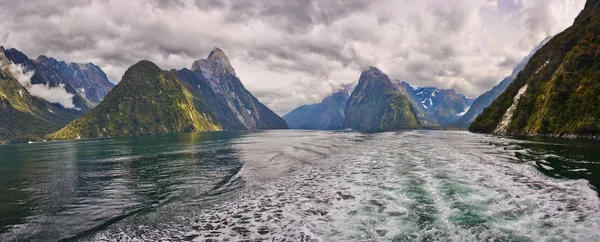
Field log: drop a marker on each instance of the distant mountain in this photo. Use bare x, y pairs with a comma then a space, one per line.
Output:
148, 100
234, 106
409, 91
88, 80
488, 97
557, 91
435, 106
52, 78
376, 104
29, 106
326, 115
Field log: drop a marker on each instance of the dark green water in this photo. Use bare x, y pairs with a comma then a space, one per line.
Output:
302, 185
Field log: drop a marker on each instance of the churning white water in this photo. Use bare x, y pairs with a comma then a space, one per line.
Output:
403, 186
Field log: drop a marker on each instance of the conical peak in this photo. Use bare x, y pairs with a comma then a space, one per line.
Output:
144, 65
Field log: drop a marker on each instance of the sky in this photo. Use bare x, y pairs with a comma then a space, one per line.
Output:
294, 52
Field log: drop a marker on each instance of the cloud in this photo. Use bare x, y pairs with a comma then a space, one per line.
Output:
290, 53
3, 37
51, 94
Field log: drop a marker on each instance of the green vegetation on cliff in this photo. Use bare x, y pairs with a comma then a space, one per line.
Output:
562, 86
147, 101
24, 117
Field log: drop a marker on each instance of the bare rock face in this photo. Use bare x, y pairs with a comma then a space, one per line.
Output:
235, 107
86, 80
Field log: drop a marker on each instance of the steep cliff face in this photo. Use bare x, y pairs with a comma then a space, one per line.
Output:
87, 80
234, 106
488, 97
326, 115
148, 100
375, 104
557, 92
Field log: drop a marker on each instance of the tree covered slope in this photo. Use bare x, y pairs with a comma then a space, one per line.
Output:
558, 91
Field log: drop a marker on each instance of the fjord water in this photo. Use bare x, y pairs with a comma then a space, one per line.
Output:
302, 186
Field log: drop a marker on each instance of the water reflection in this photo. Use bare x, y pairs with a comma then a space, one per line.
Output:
62, 190
562, 158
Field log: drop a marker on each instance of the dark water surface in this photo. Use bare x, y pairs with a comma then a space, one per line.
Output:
302, 186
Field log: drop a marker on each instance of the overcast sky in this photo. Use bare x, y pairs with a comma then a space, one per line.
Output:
294, 52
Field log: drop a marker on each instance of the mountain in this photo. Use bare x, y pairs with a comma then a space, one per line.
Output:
56, 90
488, 97
435, 106
24, 117
557, 91
87, 80
148, 100
234, 106
375, 104
26, 114
326, 115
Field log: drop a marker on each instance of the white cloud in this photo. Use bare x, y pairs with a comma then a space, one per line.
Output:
292, 52
51, 94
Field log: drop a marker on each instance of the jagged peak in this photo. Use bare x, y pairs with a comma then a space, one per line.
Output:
42, 57
215, 56
51, 59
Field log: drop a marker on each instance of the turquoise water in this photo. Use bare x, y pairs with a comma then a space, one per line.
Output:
302, 186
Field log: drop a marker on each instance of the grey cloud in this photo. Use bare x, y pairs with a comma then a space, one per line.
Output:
509, 62
294, 16
209, 4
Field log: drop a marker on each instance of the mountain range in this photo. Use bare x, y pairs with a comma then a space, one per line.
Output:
557, 92
435, 106
38, 96
149, 100
432, 106
146, 101
552, 91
